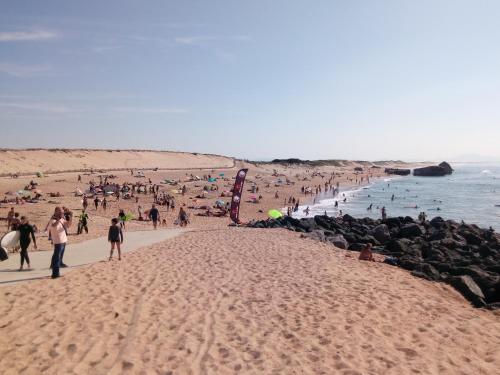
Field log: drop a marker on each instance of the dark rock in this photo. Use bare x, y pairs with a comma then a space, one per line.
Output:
357, 246
486, 251
428, 272
398, 246
469, 289
408, 220
308, 224
351, 237
381, 233
348, 218
408, 262
472, 238
368, 239
410, 230
437, 235
393, 222
339, 241
438, 222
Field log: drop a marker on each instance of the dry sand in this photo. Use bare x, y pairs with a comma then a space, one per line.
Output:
32, 161
228, 301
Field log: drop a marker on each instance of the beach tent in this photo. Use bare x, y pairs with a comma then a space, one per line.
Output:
211, 179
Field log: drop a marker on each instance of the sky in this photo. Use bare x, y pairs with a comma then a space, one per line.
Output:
363, 80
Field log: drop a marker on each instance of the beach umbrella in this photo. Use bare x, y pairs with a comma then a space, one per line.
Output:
274, 214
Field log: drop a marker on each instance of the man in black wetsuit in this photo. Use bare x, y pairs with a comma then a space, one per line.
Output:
26, 230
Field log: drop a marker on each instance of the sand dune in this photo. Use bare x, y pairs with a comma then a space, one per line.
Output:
226, 301
32, 161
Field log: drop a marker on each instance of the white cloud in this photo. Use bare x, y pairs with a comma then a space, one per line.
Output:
38, 107
199, 39
27, 35
151, 110
103, 49
17, 70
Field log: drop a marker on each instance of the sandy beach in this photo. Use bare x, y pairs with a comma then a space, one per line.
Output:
224, 300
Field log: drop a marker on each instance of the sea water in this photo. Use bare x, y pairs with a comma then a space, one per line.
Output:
471, 194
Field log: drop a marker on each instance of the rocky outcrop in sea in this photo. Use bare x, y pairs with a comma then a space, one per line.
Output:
463, 255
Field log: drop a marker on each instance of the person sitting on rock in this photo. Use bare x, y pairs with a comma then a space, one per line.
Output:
366, 253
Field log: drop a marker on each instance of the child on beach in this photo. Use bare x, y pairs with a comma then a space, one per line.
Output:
115, 236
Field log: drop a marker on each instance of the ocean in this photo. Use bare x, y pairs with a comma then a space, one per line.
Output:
471, 194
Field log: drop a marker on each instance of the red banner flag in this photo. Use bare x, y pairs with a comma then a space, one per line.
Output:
237, 192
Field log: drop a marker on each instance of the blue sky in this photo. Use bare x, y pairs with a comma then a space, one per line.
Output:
413, 80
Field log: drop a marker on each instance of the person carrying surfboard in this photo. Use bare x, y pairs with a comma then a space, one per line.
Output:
26, 231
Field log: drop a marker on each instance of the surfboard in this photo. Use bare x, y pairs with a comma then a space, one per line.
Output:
4, 255
10, 240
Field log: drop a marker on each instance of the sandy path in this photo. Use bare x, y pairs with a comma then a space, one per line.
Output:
243, 301
79, 254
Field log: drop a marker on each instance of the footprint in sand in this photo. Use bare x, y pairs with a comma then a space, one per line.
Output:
408, 352
71, 348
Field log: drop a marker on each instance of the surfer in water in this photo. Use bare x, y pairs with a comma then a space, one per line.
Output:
26, 231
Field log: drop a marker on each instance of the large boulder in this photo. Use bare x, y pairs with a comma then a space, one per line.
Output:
308, 224
381, 233
438, 222
410, 230
339, 241
469, 289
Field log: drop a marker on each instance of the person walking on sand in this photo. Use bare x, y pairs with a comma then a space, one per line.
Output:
10, 217
26, 231
96, 202
83, 223
154, 215
123, 218
115, 236
384, 213
183, 218
57, 227
104, 204
85, 203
